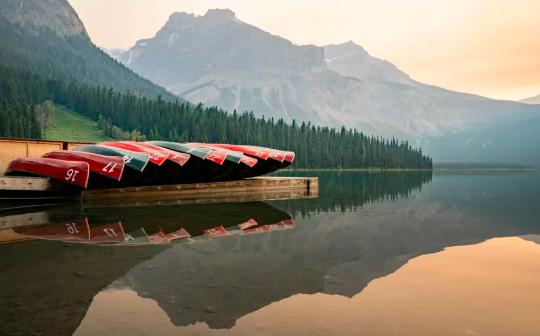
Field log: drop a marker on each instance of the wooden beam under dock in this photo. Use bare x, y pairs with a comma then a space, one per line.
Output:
252, 189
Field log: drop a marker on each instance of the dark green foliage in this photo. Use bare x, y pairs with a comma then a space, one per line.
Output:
17, 121
349, 191
316, 147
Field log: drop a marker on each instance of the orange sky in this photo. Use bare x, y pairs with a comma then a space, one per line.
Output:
488, 47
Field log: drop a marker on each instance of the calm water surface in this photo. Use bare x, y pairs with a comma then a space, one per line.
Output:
375, 254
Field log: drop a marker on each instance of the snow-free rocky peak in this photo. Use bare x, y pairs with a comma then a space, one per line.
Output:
55, 15
217, 59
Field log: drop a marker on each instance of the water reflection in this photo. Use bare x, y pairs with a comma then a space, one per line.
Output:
145, 225
358, 231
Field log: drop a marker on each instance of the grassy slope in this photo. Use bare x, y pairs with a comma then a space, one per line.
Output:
68, 125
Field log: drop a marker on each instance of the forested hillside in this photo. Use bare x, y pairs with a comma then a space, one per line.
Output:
47, 56
67, 53
179, 121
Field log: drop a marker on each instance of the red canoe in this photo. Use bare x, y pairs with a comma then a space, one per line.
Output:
216, 156
277, 154
156, 156
109, 166
239, 155
72, 172
260, 153
176, 157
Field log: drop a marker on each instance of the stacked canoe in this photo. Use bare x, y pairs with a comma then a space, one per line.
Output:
128, 163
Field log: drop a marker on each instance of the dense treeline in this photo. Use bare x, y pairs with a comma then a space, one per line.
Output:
38, 64
17, 121
349, 191
320, 147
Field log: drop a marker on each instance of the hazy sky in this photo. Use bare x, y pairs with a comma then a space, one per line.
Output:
488, 47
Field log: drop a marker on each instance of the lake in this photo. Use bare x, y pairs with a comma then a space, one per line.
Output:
410, 253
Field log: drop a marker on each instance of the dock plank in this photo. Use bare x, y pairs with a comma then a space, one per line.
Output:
253, 189
24, 183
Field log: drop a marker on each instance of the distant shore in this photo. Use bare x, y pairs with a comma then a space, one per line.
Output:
374, 170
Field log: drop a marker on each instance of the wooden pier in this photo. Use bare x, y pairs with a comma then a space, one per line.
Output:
247, 190
252, 189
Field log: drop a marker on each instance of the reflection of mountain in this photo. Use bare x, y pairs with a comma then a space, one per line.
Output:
70, 275
46, 288
336, 250
532, 100
334, 253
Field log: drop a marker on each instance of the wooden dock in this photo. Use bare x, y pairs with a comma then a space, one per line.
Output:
247, 190
252, 189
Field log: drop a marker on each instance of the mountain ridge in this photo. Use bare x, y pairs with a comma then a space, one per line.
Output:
531, 100
222, 61
47, 37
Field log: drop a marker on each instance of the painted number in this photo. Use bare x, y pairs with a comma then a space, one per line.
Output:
110, 232
109, 168
127, 158
71, 174
72, 228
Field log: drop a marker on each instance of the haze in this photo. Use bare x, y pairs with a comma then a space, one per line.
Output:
487, 47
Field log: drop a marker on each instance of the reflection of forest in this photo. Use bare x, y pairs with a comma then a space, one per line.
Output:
47, 286
219, 281
347, 191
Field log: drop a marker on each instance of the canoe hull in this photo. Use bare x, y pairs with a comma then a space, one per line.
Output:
76, 173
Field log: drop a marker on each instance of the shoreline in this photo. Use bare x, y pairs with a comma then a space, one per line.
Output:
397, 170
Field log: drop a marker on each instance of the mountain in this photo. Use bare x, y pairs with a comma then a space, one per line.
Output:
47, 37
532, 100
114, 52
220, 60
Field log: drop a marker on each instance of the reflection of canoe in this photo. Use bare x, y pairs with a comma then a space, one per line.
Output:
137, 237
158, 237
72, 172
110, 233
178, 234
102, 168
154, 224
73, 231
